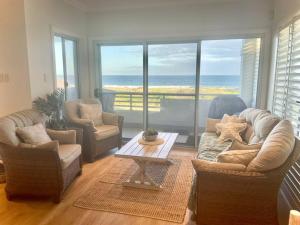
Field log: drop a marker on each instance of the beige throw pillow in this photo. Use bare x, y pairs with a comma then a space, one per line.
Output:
231, 131
276, 148
232, 119
211, 125
236, 145
91, 112
34, 135
237, 156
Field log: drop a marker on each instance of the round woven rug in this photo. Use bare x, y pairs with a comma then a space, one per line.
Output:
158, 141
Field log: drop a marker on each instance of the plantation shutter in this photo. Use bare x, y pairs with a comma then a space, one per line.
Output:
249, 70
282, 72
293, 93
287, 102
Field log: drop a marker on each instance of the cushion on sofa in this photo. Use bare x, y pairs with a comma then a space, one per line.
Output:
106, 131
35, 135
210, 147
264, 123
248, 134
91, 112
232, 119
231, 131
200, 165
68, 153
236, 145
250, 114
275, 149
237, 156
211, 125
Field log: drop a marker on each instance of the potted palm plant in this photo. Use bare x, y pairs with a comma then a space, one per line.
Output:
52, 106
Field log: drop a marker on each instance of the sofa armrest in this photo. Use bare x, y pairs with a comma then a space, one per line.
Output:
63, 136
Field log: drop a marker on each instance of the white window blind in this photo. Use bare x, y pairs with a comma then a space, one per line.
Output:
293, 90
281, 77
286, 100
249, 70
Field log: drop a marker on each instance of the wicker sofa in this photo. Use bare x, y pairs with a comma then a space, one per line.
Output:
229, 194
37, 171
104, 138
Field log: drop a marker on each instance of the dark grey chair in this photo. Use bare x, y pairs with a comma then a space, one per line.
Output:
225, 104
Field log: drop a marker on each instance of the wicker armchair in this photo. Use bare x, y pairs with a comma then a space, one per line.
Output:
229, 197
93, 143
39, 171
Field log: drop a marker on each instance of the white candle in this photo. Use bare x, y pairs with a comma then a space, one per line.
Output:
294, 217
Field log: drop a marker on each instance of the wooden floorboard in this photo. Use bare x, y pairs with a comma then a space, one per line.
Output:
42, 212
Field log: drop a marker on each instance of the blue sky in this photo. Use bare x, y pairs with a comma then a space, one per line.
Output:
219, 57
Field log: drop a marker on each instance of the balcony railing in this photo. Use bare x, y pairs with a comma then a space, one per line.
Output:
133, 101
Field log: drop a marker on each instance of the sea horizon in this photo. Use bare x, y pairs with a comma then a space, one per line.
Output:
232, 81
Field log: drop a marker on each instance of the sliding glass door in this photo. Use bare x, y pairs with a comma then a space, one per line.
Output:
169, 86
228, 67
122, 84
65, 58
171, 89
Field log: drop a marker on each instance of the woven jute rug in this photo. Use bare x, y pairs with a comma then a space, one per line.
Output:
169, 203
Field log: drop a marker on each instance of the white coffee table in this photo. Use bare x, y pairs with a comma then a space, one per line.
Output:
143, 155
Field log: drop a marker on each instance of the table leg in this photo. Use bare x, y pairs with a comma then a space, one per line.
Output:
141, 179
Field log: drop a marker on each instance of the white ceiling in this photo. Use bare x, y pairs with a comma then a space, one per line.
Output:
106, 5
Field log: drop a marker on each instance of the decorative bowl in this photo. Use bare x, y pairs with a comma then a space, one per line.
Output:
150, 135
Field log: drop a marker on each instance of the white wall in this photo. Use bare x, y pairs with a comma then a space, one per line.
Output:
284, 11
43, 17
189, 21
14, 94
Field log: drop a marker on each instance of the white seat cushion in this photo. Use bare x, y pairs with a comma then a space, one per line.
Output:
106, 131
68, 153
276, 148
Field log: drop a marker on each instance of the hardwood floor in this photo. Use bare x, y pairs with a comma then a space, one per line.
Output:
42, 212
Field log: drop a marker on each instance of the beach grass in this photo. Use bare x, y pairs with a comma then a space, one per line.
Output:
131, 97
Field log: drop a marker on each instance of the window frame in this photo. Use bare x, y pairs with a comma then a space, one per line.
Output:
65, 37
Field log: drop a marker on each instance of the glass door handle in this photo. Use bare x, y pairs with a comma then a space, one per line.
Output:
66, 84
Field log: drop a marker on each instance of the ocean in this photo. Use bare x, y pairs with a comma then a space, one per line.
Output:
232, 81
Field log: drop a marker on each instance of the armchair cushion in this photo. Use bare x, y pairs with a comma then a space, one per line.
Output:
207, 166
106, 131
110, 118
63, 136
68, 153
243, 157
52, 145
91, 112
34, 135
